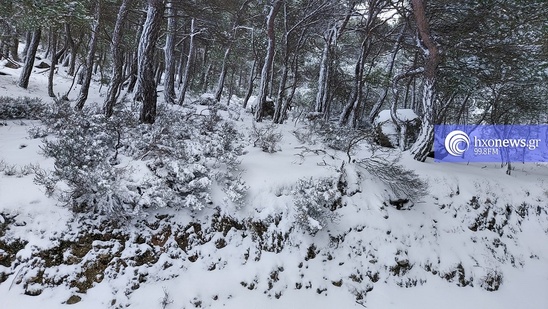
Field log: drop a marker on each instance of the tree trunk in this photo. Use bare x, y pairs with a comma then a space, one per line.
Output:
117, 60
222, 76
230, 87
146, 51
14, 45
323, 78
349, 116
73, 49
261, 98
354, 101
84, 90
425, 140
377, 107
54, 58
250, 83
29, 58
280, 97
133, 74
185, 79
28, 39
169, 56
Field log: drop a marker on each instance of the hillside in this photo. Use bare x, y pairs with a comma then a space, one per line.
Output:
475, 237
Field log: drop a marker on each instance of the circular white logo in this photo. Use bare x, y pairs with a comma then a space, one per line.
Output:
457, 142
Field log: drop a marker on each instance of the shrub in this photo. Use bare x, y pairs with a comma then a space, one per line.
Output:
267, 138
315, 201
21, 108
183, 155
492, 280
83, 151
404, 184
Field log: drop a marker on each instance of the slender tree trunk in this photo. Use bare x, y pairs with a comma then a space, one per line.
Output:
181, 66
423, 144
146, 51
84, 90
29, 58
73, 49
230, 87
133, 73
169, 56
349, 116
323, 78
186, 77
280, 97
206, 66
222, 76
377, 106
261, 98
28, 39
250, 83
54, 58
117, 60
295, 69
355, 98
14, 46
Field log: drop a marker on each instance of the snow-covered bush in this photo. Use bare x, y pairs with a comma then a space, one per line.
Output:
20, 108
315, 201
333, 135
85, 146
405, 184
266, 137
183, 154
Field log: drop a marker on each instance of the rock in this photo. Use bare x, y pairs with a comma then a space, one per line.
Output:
74, 299
12, 65
42, 65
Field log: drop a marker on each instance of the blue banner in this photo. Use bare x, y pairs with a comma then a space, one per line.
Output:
491, 143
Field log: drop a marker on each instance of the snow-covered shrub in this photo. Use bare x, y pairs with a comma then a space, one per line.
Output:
183, 154
492, 280
10, 170
266, 137
315, 201
21, 108
333, 135
404, 183
236, 191
85, 146
37, 132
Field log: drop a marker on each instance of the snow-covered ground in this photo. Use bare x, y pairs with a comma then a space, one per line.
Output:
476, 227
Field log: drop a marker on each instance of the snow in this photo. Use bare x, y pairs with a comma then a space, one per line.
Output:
370, 236
403, 114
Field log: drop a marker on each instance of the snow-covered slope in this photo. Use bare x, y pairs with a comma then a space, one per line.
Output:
478, 239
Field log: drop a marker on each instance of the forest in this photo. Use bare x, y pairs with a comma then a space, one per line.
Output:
472, 62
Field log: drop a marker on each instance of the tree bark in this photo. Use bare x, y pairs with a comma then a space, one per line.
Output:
323, 78
14, 45
425, 140
349, 116
250, 84
222, 76
146, 51
169, 56
377, 106
86, 82
185, 79
28, 39
29, 58
117, 60
261, 98
54, 58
